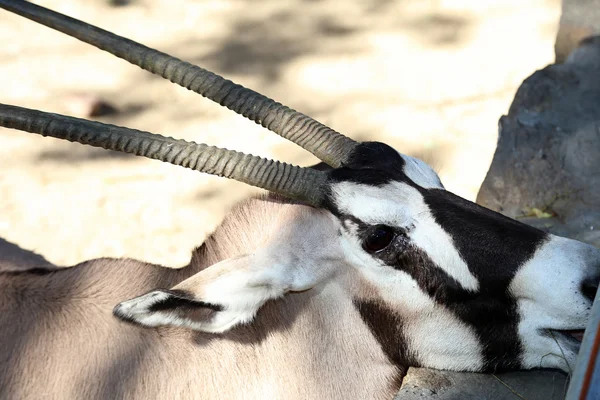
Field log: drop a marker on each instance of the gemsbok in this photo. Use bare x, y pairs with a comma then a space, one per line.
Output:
328, 288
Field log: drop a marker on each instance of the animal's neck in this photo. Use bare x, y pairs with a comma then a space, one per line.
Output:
307, 345
313, 344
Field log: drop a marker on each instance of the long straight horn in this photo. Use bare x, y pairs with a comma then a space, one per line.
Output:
325, 143
303, 184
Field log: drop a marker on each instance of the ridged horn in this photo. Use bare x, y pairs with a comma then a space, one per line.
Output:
304, 184
325, 143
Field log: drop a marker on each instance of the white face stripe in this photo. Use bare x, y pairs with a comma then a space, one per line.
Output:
421, 173
398, 204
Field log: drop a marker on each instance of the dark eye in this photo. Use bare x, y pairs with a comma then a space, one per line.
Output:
379, 238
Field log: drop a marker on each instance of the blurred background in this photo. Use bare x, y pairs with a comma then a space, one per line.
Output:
429, 77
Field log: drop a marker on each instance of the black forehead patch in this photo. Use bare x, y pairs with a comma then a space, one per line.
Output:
371, 163
375, 155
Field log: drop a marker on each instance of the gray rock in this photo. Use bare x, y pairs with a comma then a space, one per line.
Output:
422, 384
547, 161
579, 19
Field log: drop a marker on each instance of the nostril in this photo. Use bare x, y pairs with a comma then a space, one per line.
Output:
589, 287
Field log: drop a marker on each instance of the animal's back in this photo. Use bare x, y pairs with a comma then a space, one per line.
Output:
65, 344
57, 332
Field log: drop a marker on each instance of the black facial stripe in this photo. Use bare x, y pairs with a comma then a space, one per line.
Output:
493, 247
501, 346
482, 237
491, 311
386, 326
434, 281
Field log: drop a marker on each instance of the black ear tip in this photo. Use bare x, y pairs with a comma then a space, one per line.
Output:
118, 310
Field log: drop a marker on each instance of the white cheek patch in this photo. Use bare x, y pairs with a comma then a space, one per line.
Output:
542, 349
435, 336
547, 289
398, 204
421, 173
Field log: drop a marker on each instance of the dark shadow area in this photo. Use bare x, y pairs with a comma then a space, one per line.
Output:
15, 258
209, 194
80, 154
70, 154
26, 317
262, 47
440, 29
377, 6
275, 316
129, 110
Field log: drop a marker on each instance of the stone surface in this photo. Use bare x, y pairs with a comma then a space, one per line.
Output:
548, 155
423, 383
579, 19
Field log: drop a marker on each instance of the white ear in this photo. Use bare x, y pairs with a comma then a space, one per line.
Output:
222, 296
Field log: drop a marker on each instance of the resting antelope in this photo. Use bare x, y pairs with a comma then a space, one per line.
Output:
331, 287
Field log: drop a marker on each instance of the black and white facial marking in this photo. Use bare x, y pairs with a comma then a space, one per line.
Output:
474, 290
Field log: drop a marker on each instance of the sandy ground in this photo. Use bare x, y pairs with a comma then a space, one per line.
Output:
428, 77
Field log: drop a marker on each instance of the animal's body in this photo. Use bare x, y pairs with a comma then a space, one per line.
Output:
59, 339
373, 268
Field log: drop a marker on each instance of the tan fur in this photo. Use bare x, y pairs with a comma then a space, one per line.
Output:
59, 340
